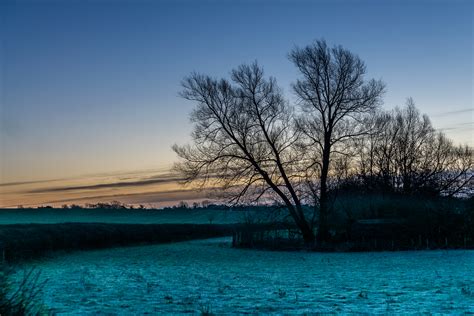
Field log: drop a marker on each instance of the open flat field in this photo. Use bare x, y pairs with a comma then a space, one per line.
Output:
200, 276
208, 275
177, 216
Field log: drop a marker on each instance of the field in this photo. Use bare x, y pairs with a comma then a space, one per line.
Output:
210, 276
26, 233
173, 216
21, 242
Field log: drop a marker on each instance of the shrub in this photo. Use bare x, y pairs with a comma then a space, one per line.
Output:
20, 298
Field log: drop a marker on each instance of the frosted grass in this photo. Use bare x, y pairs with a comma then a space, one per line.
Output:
209, 276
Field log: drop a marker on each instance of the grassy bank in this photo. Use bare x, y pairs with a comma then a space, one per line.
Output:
26, 241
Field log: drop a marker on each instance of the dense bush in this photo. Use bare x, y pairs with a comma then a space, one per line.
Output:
362, 218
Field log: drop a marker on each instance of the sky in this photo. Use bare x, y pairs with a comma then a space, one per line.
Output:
89, 89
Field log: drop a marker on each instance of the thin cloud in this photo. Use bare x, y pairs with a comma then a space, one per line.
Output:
148, 197
460, 126
6, 184
137, 183
129, 173
134, 198
125, 175
454, 112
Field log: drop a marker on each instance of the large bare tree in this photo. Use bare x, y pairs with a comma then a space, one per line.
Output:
244, 140
335, 98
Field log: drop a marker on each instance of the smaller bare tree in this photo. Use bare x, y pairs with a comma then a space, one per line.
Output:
405, 153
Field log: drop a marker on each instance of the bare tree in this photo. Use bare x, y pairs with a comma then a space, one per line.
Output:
405, 153
335, 98
413, 133
250, 142
244, 140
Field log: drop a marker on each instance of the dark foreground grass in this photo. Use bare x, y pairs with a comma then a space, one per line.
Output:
20, 298
28, 241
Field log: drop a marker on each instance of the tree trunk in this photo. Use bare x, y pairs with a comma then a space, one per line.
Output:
308, 235
302, 224
323, 231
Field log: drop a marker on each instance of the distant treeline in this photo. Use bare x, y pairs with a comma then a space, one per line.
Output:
117, 205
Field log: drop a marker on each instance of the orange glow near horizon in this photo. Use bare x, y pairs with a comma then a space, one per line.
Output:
152, 190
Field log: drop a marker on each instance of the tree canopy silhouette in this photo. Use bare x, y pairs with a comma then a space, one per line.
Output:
335, 99
244, 140
404, 152
249, 141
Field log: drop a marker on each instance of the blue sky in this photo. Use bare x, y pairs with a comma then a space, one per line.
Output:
92, 86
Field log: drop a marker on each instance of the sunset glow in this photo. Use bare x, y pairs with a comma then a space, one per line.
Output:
89, 89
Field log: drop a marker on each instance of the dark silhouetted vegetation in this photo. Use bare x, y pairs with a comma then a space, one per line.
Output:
334, 99
362, 221
20, 297
255, 146
25, 241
